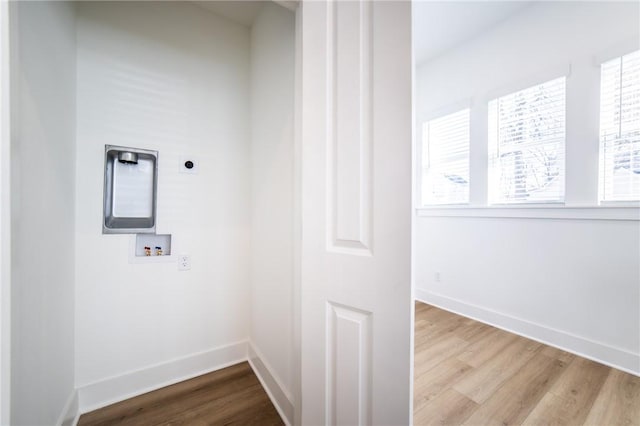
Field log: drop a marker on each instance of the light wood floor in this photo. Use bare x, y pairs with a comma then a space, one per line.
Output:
231, 396
470, 373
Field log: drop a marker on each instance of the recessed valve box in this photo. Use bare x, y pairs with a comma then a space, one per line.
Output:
130, 188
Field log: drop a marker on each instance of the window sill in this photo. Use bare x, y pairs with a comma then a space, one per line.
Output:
606, 212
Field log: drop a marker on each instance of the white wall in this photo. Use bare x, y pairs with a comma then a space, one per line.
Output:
5, 217
573, 283
43, 198
272, 218
171, 77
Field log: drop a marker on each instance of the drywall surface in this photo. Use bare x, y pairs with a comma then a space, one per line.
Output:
578, 277
5, 217
272, 161
574, 283
42, 200
170, 77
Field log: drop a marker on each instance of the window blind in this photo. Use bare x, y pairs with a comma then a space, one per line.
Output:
527, 145
445, 163
620, 129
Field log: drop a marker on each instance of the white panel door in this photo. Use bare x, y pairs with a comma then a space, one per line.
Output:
356, 212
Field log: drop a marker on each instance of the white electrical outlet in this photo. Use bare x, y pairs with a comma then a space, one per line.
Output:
436, 277
184, 262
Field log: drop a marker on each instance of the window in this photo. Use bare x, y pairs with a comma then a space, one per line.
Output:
527, 145
620, 129
445, 159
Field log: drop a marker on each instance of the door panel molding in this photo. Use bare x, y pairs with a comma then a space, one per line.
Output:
348, 365
349, 127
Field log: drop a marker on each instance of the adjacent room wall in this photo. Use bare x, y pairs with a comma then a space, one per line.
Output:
42, 211
172, 77
272, 208
571, 282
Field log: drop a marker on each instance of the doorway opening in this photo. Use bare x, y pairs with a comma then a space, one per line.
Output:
526, 136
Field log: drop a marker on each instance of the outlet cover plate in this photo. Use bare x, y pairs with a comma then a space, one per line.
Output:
184, 262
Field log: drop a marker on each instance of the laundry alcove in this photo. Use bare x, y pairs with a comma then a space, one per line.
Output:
213, 81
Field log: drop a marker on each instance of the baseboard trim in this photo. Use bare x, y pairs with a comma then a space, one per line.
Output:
609, 355
281, 399
70, 413
115, 389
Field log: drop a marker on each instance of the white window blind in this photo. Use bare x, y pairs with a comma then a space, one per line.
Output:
527, 145
445, 159
620, 129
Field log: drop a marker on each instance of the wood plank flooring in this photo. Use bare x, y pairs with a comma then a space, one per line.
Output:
469, 373
231, 396
466, 373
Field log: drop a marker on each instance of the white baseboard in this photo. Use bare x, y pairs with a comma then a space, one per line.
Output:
70, 412
115, 389
281, 399
596, 351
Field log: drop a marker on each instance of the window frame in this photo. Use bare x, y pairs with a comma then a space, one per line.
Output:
421, 157
478, 207
494, 149
615, 54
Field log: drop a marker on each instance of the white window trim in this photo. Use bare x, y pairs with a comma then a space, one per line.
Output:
627, 46
563, 73
601, 145
533, 79
542, 211
609, 210
466, 103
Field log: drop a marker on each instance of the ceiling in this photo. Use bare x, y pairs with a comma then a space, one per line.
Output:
438, 25
442, 25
